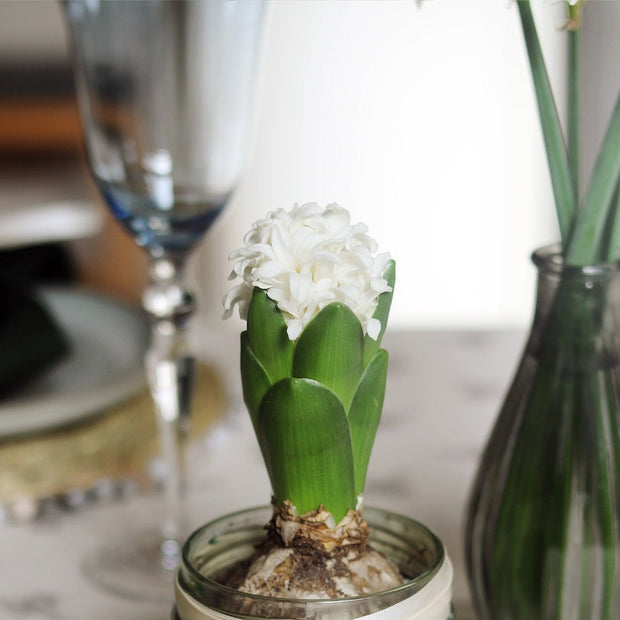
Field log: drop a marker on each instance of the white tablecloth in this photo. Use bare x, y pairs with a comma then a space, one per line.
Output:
444, 390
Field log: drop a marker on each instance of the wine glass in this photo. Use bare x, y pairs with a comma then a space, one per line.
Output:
165, 91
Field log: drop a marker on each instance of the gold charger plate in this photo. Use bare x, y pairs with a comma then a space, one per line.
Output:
113, 447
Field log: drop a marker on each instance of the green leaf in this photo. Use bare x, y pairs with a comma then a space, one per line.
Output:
365, 414
330, 350
382, 311
561, 181
254, 381
307, 447
612, 230
574, 104
585, 245
267, 336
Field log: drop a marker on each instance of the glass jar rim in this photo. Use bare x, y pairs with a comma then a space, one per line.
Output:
549, 258
408, 587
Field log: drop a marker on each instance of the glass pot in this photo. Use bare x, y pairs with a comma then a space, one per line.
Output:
543, 525
222, 543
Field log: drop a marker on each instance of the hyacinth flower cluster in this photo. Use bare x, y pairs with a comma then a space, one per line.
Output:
316, 296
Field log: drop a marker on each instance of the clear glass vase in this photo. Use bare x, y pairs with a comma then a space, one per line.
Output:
543, 524
221, 544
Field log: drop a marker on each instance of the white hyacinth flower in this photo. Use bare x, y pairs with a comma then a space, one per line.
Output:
305, 259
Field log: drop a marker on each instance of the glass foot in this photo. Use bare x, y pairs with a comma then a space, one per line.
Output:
140, 568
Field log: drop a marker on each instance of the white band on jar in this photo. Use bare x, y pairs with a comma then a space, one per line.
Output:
432, 602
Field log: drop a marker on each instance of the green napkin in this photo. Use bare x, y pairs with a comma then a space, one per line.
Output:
30, 340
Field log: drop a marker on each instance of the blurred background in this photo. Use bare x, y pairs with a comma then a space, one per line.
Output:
420, 120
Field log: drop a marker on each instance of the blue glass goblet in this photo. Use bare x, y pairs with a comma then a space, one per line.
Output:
166, 93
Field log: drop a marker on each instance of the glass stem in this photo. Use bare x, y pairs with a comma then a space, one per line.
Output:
170, 372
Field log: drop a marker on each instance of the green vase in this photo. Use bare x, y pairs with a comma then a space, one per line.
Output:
543, 523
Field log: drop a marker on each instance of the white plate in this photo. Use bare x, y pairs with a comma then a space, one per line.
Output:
54, 222
105, 365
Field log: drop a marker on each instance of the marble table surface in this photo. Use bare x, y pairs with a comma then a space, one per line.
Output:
444, 390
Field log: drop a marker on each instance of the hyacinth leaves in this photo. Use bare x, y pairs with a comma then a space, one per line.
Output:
306, 445
381, 313
315, 403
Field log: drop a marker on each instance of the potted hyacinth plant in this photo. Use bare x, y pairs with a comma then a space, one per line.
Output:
543, 525
316, 296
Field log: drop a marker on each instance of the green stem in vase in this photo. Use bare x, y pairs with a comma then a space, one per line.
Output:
599, 401
584, 246
587, 567
574, 103
570, 353
614, 455
559, 168
582, 230
593, 439
528, 492
612, 230
515, 559
558, 522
